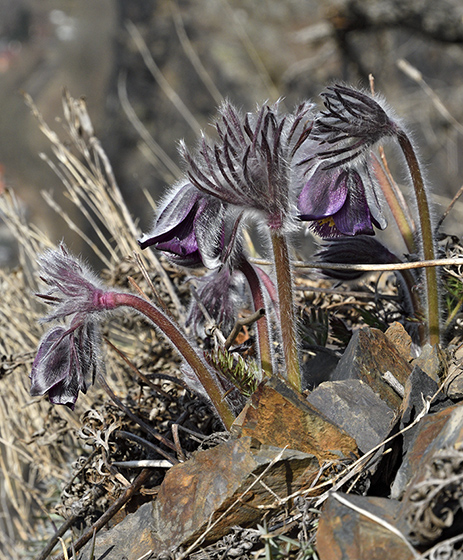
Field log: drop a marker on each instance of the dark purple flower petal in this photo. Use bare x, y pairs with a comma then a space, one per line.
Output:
323, 195
52, 362
353, 250
189, 228
354, 216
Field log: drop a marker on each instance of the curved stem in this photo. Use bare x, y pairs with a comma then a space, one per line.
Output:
263, 334
181, 343
287, 315
427, 238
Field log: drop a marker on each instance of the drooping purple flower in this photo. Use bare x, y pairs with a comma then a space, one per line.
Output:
67, 361
189, 228
352, 123
353, 250
219, 294
69, 356
249, 165
341, 201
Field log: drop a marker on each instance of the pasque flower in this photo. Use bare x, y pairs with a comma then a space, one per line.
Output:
352, 123
248, 166
69, 356
220, 293
353, 250
340, 195
341, 201
66, 362
189, 228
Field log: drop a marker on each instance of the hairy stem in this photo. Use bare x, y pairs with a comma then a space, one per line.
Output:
427, 238
262, 325
288, 324
181, 343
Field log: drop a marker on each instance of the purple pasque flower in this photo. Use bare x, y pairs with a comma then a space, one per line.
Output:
352, 123
353, 250
341, 201
219, 294
249, 165
74, 288
69, 356
189, 228
67, 361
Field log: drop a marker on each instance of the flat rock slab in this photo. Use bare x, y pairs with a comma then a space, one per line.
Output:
435, 456
205, 496
277, 415
355, 408
347, 532
421, 444
368, 356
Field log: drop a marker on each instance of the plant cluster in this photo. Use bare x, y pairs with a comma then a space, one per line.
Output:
313, 169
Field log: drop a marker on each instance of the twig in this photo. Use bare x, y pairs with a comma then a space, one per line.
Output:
170, 92
392, 382
109, 513
161, 156
243, 322
369, 267
144, 463
450, 206
138, 439
180, 453
417, 77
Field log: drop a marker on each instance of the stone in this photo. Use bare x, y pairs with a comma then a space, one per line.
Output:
437, 432
418, 387
428, 431
400, 338
368, 356
454, 379
207, 495
277, 415
354, 407
346, 534
119, 542
432, 361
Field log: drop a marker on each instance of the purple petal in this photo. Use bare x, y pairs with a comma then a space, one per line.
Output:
52, 363
323, 195
175, 216
355, 216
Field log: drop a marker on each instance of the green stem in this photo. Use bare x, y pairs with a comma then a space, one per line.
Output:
288, 324
427, 238
262, 325
178, 339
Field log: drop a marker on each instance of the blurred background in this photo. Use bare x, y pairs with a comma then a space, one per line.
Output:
154, 70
